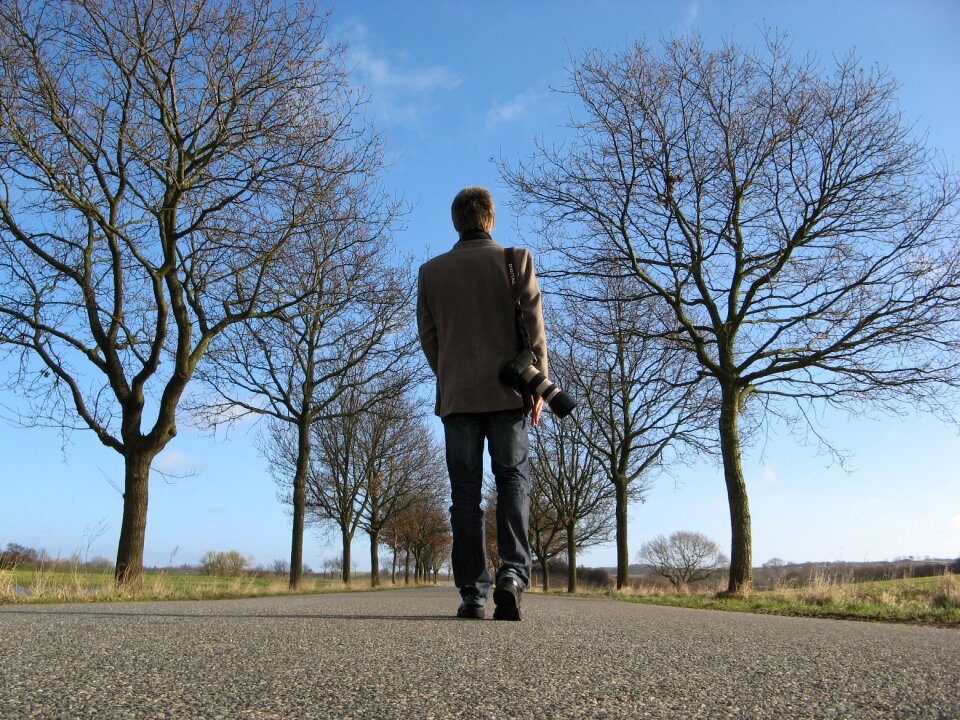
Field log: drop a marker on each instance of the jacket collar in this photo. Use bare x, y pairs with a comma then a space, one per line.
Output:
475, 235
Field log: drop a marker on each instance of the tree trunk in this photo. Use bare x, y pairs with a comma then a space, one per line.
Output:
571, 558
345, 573
741, 566
296, 544
623, 554
133, 529
299, 504
374, 559
546, 574
406, 568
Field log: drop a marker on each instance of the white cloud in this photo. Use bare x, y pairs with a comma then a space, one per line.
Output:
770, 476
517, 107
379, 73
401, 90
690, 17
172, 461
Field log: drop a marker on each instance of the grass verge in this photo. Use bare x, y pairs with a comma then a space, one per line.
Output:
42, 585
922, 601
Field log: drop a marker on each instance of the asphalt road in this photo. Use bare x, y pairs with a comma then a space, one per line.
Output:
401, 654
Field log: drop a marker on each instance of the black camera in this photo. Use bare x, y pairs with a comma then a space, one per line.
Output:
523, 367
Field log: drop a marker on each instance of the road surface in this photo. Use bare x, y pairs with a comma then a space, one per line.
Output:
402, 654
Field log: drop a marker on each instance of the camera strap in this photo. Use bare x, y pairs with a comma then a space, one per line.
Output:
510, 260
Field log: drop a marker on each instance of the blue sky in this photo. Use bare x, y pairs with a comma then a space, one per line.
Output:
452, 85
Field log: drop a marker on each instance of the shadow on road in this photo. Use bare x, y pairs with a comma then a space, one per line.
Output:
246, 616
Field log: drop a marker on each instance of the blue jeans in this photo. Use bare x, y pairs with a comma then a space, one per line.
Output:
507, 442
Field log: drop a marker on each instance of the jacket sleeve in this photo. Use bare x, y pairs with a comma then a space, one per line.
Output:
426, 327
533, 312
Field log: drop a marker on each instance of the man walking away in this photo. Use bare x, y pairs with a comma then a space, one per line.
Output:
468, 323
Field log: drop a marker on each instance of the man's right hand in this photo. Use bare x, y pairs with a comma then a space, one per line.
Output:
535, 412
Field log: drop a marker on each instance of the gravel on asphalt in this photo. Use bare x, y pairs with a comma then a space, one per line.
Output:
402, 654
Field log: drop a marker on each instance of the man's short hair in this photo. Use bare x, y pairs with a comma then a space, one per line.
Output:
472, 209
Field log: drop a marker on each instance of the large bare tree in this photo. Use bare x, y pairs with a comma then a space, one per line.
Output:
793, 225
156, 159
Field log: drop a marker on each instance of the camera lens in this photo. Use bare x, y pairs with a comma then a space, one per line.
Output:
560, 402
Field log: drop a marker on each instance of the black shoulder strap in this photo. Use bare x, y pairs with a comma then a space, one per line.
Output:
510, 260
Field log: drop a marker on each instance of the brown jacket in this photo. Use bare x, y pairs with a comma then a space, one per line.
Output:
467, 323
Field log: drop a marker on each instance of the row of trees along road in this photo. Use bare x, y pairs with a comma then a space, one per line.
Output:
420, 533
798, 240
572, 502
376, 467
179, 181
641, 409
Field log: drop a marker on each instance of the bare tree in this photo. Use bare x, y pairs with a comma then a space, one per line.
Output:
156, 159
333, 567
229, 563
350, 331
398, 534
638, 393
797, 232
372, 456
683, 558
545, 530
401, 461
336, 477
420, 532
433, 540
575, 487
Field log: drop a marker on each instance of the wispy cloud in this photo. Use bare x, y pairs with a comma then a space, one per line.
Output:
516, 108
380, 73
690, 16
175, 464
770, 476
401, 90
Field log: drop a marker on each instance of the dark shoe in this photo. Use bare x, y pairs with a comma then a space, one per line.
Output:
507, 598
471, 611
